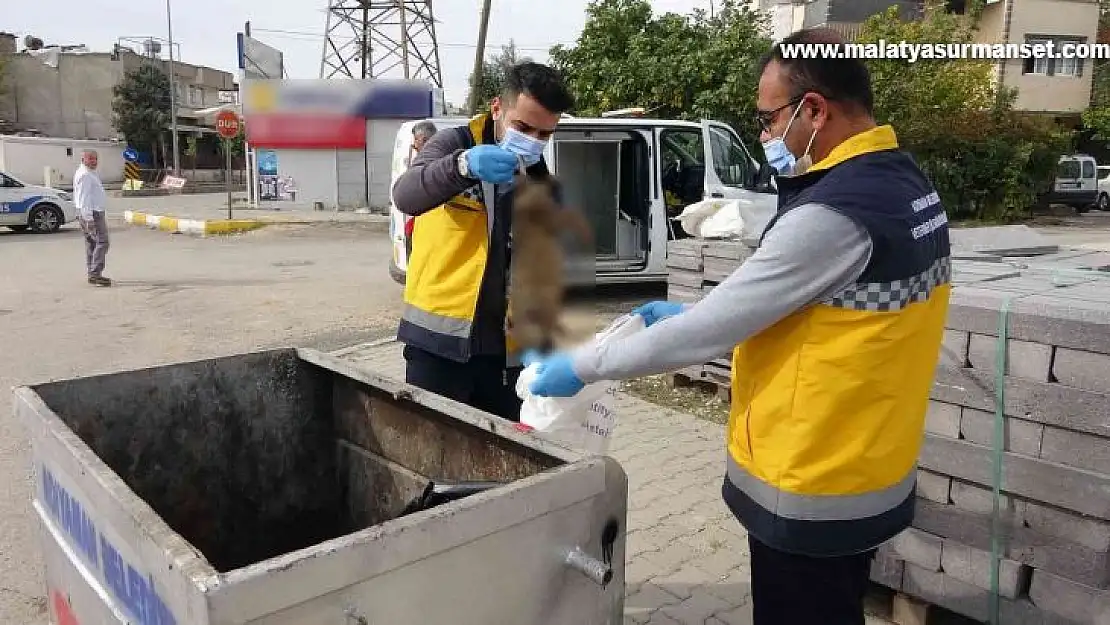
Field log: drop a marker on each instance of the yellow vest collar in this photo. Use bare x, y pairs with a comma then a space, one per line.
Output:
874, 140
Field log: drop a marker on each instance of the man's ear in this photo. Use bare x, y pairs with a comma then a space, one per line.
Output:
495, 108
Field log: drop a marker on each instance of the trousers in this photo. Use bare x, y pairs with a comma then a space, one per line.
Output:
792, 589
483, 382
96, 243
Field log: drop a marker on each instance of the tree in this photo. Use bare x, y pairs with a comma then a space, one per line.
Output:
987, 161
1097, 117
677, 66
141, 106
493, 74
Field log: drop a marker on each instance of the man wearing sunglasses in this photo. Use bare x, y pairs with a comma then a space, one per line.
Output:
837, 322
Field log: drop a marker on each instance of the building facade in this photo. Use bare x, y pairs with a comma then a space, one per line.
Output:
1060, 86
60, 92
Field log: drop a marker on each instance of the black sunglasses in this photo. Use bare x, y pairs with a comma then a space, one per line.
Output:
766, 118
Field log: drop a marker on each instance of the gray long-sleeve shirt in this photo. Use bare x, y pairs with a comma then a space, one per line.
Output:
811, 253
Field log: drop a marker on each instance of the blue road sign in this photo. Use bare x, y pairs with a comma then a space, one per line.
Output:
130, 155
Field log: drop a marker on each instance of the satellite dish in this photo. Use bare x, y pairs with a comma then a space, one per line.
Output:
32, 43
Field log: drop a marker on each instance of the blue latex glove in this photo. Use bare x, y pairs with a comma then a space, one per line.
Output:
555, 377
491, 163
655, 311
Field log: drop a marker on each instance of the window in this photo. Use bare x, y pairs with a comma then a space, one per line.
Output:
1103, 173
1088, 169
9, 182
1068, 169
1058, 66
730, 159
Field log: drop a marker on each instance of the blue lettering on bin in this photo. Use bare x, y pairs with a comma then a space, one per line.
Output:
131, 588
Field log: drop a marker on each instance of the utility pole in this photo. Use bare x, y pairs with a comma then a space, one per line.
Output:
173, 95
479, 58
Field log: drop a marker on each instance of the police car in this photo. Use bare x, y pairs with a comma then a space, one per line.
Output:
29, 207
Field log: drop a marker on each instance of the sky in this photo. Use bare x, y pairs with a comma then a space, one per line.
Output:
204, 31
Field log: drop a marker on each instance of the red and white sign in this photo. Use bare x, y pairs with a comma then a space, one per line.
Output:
227, 124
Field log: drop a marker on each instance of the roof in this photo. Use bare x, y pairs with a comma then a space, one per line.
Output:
570, 122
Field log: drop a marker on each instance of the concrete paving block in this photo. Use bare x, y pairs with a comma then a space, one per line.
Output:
1019, 436
678, 293
731, 250
954, 347
1076, 449
1082, 369
980, 500
719, 269
1061, 556
682, 261
681, 277
1089, 532
1002, 240
933, 486
973, 566
1070, 600
1024, 359
1070, 488
1040, 402
1047, 319
918, 547
886, 569
943, 419
967, 599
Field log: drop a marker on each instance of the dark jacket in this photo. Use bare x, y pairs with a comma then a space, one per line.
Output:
432, 180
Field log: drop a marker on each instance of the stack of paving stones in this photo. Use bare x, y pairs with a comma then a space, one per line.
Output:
1054, 538
694, 267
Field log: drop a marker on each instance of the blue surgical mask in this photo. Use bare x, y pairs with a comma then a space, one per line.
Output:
528, 148
778, 155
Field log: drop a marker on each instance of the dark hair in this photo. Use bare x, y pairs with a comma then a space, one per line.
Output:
425, 128
843, 80
541, 82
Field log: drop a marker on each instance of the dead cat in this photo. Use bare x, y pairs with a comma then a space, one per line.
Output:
537, 281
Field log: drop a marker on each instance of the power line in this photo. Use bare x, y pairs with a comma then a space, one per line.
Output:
302, 35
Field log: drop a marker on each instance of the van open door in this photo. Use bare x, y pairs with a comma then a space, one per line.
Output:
732, 173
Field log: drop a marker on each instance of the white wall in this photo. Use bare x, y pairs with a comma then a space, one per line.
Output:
313, 172
350, 176
26, 157
380, 137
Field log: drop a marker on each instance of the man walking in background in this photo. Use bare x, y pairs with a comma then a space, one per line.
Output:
421, 132
89, 196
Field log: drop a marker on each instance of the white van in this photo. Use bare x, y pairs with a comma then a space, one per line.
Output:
1103, 202
631, 176
1076, 182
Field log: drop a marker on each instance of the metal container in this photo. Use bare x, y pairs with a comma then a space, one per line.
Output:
287, 487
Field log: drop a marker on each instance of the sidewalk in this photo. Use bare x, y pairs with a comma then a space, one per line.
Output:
687, 556
213, 207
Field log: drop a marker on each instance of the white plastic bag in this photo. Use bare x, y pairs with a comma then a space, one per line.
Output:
713, 219
585, 421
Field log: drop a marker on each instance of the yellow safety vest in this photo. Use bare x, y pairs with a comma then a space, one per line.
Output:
450, 248
828, 404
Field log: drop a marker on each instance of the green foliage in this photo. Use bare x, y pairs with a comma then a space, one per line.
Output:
987, 161
676, 66
493, 75
1097, 116
141, 106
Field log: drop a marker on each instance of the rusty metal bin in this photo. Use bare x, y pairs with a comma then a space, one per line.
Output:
287, 487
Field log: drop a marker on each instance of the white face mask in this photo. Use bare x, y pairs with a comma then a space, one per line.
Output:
781, 158
528, 148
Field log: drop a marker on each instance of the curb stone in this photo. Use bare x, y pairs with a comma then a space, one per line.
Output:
191, 226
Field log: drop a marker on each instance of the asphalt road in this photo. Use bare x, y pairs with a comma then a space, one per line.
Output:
176, 298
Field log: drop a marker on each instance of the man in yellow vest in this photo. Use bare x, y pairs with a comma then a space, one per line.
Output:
458, 188
837, 321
